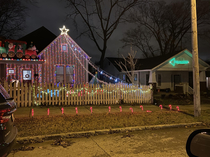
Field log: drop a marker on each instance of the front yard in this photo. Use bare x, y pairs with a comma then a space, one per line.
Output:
55, 123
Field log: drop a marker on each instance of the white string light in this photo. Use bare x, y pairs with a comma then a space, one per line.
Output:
95, 67
83, 65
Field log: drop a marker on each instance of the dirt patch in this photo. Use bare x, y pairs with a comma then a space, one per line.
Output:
63, 143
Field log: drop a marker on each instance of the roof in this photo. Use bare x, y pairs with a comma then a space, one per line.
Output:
15, 41
143, 64
40, 38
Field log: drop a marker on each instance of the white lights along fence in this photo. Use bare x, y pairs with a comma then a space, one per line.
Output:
49, 94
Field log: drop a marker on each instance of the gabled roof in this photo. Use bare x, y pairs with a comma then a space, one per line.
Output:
154, 62
72, 44
147, 63
40, 38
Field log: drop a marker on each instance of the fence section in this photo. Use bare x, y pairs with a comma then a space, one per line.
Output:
50, 94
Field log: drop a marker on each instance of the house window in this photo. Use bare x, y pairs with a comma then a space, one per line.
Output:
135, 77
11, 71
64, 47
159, 80
59, 74
70, 74
147, 79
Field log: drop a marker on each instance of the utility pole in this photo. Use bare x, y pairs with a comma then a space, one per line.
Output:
196, 81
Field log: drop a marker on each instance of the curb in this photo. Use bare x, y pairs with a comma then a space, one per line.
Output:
38, 139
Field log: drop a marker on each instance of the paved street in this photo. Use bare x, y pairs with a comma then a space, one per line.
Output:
147, 143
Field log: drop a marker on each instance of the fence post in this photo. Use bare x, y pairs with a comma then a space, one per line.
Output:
151, 91
33, 95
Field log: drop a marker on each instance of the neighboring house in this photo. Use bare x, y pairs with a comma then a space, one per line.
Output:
62, 61
41, 37
172, 71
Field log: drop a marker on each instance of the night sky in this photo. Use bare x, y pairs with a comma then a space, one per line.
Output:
51, 14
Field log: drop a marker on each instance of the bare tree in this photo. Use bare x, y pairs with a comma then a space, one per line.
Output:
164, 25
141, 40
129, 64
100, 18
12, 18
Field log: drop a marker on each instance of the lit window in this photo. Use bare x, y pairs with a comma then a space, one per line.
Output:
59, 74
70, 74
64, 47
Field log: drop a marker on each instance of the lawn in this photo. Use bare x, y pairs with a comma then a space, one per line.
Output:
101, 118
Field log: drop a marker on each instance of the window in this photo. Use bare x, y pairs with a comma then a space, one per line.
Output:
11, 71
159, 80
64, 47
135, 77
70, 74
59, 74
147, 79
65, 74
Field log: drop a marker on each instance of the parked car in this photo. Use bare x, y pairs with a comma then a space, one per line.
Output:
8, 131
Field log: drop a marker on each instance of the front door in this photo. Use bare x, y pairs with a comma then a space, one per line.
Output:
177, 80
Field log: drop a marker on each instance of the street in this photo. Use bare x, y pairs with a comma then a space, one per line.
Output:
148, 143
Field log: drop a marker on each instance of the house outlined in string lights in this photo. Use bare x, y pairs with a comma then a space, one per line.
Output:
65, 61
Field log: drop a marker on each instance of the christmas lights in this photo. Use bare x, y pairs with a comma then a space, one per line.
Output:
170, 106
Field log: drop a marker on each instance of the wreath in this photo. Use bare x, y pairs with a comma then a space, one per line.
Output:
27, 76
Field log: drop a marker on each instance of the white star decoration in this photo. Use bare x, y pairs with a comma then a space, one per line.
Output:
64, 30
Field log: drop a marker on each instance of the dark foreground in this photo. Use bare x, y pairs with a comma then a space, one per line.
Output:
168, 142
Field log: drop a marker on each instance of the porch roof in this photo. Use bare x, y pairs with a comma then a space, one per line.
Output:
144, 64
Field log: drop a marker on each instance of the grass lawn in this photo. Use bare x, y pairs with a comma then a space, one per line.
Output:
55, 123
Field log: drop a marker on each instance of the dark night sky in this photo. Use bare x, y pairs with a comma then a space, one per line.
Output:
51, 14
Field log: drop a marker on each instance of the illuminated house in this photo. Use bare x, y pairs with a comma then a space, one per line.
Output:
171, 71
65, 61
62, 61
19, 63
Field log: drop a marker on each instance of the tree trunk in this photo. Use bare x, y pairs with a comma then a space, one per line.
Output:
101, 62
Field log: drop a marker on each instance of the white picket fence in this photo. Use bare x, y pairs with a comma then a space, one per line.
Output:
49, 94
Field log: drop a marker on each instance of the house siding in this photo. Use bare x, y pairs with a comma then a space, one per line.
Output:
167, 78
54, 56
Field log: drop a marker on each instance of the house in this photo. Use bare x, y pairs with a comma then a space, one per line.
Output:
41, 37
62, 61
17, 62
171, 71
